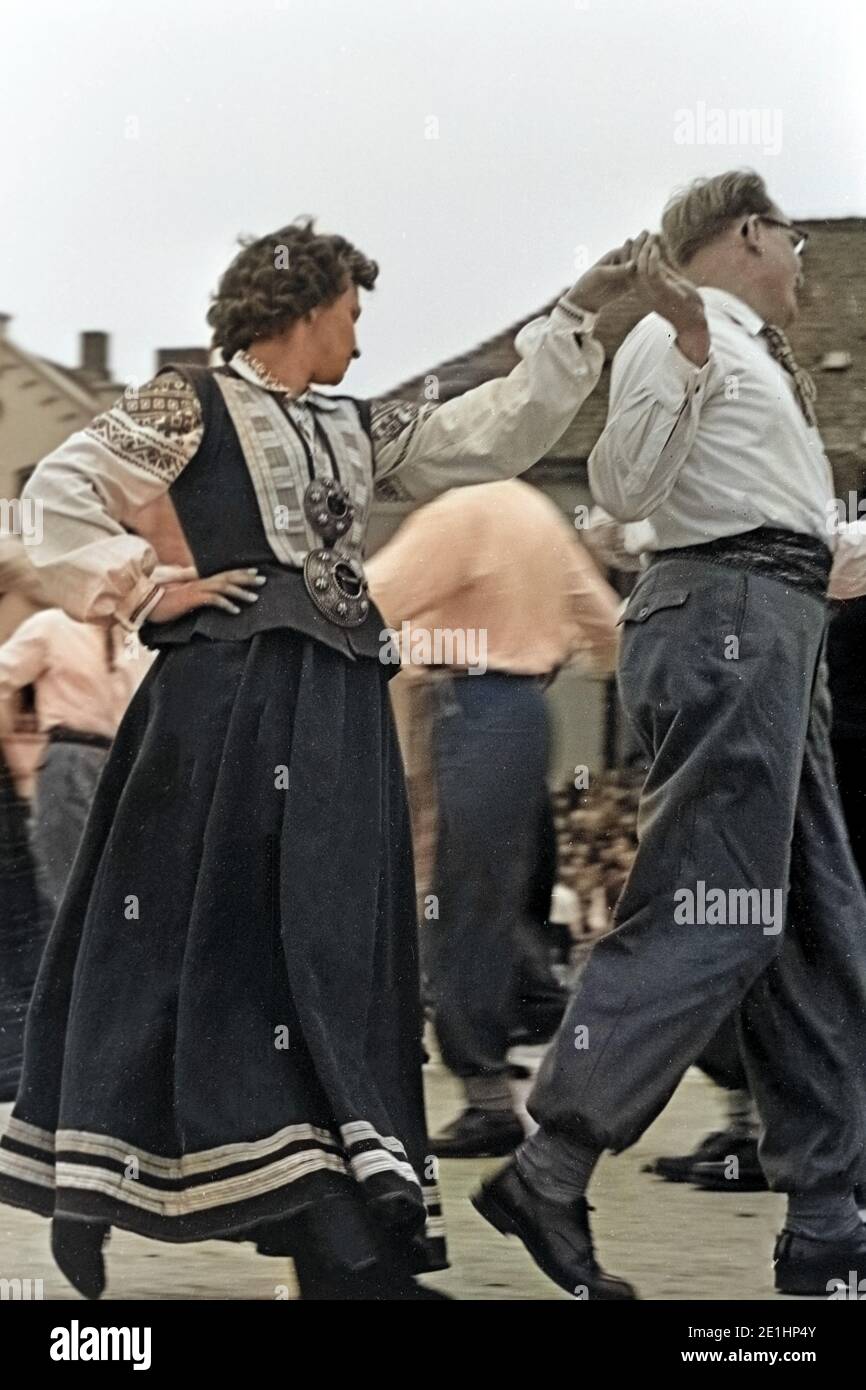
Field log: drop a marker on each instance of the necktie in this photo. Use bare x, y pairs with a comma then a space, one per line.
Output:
804, 386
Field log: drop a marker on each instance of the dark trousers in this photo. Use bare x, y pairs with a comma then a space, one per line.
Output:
721, 1058
850, 759
722, 675
65, 788
490, 742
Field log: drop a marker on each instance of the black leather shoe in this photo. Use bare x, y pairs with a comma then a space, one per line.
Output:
557, 1237
479, 1134
821, 1268
721, 1175
715, 1148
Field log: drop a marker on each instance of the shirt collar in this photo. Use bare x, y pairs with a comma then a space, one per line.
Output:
252, 371
735, 308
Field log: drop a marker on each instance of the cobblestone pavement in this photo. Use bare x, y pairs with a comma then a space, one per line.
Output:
672, 1241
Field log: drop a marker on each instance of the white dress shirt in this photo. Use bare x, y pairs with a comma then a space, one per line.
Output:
712, 451
91, 488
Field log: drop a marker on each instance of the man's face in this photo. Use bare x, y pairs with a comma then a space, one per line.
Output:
333, 337
781, 270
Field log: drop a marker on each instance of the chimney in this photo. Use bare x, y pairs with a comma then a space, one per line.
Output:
5, 320
94, 354
196, 356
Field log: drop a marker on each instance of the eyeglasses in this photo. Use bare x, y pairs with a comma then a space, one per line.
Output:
797, 236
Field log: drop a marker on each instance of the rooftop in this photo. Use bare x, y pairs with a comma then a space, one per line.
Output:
832, 321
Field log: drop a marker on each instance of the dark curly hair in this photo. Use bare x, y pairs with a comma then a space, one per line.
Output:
276, 279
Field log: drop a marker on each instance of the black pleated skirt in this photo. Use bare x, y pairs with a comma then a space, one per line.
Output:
225, 1035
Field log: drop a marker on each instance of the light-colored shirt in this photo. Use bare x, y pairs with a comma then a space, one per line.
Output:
498, 559
67, 662
91, 488
712, 451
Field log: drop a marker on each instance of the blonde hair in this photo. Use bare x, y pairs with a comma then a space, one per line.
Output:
701, 212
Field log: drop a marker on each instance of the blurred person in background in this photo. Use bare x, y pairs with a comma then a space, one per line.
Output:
23, 920
84, 676
499, 569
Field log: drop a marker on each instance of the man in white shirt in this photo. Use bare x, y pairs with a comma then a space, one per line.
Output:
744, 894
84, 676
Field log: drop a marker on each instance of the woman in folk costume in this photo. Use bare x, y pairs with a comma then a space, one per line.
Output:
225, 1038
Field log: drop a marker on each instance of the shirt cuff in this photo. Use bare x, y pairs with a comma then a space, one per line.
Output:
138, 605
676, 380
577, 319
579, 322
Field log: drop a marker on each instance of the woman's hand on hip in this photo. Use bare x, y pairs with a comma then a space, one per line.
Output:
185, 591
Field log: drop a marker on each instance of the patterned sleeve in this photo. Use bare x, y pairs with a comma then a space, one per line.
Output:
393, 426
87, 491
498, 429
155, 428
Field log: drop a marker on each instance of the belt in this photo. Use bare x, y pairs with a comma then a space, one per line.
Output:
61, 734
800, 561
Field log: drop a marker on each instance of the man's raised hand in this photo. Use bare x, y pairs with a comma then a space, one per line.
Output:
675, 298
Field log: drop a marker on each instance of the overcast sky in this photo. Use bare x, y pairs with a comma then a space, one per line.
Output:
478, 149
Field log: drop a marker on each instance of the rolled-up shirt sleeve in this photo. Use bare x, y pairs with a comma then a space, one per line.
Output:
85, 492
656, 398
497, 430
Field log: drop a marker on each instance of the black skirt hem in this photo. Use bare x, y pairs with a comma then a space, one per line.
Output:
267, 1220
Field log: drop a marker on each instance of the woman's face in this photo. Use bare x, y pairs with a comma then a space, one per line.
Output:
333, 338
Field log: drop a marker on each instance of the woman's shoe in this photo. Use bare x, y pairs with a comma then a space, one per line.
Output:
77, 1250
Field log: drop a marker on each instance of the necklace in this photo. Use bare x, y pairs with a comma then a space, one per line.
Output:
267, 378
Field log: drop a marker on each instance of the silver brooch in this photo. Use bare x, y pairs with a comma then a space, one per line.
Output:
329, 509
336, 584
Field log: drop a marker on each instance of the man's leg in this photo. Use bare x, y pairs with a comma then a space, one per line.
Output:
802, 1027
726, 736
716, 674
490, 741
849, 758
65, 788
709, 1165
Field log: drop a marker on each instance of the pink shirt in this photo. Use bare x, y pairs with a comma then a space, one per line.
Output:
68, 664
498, 557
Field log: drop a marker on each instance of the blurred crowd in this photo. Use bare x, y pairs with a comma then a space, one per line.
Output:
596, 839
